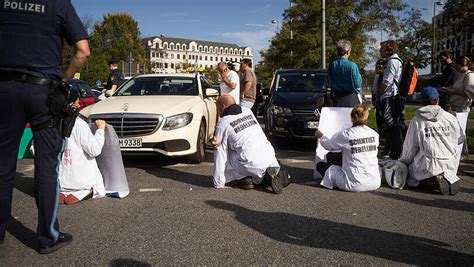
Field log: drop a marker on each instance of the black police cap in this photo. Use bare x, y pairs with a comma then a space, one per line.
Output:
112, 61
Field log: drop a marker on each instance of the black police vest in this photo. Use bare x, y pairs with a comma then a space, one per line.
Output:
29, 35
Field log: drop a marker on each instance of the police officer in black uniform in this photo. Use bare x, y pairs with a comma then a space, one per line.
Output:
32, 34
115, 78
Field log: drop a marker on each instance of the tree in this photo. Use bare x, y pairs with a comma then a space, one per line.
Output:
416, 44
115, 37
212, 75
351, 20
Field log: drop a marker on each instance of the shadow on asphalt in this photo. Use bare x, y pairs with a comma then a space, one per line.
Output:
437, 203
24, 184
318, 233
158, 160
180, 176
129, 262
22, 233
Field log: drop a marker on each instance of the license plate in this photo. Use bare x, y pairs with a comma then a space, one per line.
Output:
135, 142
311, 124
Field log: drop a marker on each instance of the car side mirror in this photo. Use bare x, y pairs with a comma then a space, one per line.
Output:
265, 91
211, 92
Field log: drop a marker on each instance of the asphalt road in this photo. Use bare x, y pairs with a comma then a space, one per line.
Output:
185, 221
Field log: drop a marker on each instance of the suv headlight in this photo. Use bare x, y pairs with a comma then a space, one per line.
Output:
177, 121
278, 110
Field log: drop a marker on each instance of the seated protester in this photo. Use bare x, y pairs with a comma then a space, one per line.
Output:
242, 152
359, 171
79, 175
431, 145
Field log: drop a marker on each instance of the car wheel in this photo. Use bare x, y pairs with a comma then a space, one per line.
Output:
200, 154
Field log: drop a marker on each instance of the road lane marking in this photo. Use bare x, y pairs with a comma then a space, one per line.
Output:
150, 190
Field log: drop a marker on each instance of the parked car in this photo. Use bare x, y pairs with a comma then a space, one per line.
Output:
171, 114
86, 96
294, 102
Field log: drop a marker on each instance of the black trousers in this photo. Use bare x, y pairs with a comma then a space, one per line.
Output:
332, 158
345, 99
22, 103
391, 109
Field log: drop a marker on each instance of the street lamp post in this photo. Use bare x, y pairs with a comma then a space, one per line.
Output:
277, 22
323, 34
434, 46
130, 59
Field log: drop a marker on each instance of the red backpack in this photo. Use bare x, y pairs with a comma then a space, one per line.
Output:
407, 84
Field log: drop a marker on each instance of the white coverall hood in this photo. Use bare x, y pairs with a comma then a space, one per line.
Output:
430, 112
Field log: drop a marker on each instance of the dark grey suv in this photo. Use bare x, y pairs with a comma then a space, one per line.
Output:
294, 101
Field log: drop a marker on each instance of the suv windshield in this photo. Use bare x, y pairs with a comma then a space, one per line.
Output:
300, 82
159, 86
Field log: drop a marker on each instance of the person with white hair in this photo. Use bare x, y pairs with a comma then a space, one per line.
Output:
230, 81
344, 77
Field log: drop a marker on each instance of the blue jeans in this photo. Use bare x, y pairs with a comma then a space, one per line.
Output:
246, 104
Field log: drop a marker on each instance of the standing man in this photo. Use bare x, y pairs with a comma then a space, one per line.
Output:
230, 84
391, 103
344, 77
32, 92
447, 79
248, 84
115, 78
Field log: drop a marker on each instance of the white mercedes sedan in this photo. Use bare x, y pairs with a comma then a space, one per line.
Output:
171, 114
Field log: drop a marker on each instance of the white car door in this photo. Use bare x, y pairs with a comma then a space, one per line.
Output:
211, 107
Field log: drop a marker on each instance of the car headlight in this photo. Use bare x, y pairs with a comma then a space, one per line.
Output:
278, 110
177, 121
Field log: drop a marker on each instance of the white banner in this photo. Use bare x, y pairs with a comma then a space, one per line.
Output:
332, 120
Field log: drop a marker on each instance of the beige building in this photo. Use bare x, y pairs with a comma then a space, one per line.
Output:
172, 55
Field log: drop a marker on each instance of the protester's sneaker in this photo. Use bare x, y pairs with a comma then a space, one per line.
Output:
277, 184
245, 183
441, 184
454, 188
63, 240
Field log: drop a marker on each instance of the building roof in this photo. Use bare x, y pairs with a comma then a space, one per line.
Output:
199, 42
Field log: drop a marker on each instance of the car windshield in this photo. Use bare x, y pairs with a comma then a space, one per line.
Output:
300, 82
83, 88
159, 86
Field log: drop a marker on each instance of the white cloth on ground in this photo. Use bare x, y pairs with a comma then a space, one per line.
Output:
360, 170
244, 149
78, 171
431, 144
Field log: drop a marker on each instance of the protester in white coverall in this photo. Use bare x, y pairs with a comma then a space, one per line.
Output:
79, 175
242, 151
359, 171
431, 145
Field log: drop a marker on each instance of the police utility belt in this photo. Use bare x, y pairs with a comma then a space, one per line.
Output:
63, 113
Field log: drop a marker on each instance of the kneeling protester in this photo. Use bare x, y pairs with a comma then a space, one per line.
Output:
242, 151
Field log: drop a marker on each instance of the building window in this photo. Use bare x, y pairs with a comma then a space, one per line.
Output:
248, 53
184, 56
172, 56
172, 65
200, 57
205, 58
177, 56
226, 51
165, 46
172, 46
166, 65
193, 48
184, 47
205, 49
178, 47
